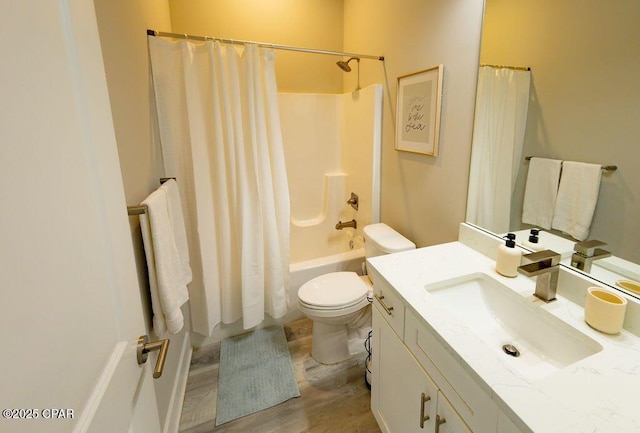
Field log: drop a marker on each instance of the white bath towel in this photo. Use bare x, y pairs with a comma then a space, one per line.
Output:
169, 271
577, 198
541, 192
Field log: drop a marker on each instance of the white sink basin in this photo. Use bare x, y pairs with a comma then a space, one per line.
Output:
499, 316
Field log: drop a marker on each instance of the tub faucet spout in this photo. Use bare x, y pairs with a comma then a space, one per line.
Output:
341, 225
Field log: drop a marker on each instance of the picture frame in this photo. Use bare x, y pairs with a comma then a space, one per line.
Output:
419, 97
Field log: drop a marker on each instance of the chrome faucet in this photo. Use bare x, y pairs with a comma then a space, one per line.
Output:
341, 225
544, 265
586, 252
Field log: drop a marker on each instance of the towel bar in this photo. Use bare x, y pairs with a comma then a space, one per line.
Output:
139, 210
604, 167
136, 210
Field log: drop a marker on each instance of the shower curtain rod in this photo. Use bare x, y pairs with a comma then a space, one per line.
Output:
261, 44
517, 68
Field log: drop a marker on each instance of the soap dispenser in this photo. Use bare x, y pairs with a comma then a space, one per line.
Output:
534, 241
509, 257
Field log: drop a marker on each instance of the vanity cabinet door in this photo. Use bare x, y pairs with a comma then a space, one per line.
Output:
447, 419
473, 404
404, 399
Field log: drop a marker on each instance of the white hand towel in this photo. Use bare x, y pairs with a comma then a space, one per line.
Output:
541, 191
167, 278
577, 198
177, 222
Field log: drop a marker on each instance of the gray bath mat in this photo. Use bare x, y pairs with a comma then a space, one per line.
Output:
255, 373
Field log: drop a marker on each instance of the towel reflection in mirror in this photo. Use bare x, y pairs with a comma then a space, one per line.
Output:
561, 195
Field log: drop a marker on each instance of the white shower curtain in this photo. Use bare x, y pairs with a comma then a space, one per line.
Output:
220, 134
502, 101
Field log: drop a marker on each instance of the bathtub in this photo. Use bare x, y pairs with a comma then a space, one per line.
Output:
301, 272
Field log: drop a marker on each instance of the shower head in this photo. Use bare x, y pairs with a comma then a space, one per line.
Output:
345, 65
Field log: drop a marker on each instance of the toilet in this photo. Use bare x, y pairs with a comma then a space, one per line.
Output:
339, 301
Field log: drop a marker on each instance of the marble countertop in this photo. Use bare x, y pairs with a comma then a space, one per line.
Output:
600, 393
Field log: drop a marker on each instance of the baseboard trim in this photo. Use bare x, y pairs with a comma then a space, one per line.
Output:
174, 412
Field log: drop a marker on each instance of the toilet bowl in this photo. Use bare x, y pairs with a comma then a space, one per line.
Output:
338, 302
334, 302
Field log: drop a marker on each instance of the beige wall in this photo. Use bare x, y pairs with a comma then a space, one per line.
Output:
422, 197
303, 23
122, 28
584, 106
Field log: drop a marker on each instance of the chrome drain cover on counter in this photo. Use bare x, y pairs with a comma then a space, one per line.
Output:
511, 350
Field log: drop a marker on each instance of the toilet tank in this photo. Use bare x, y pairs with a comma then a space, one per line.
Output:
381, 239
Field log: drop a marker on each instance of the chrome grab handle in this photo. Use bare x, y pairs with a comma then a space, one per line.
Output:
387, 309
144, 347
423, 399
439, 421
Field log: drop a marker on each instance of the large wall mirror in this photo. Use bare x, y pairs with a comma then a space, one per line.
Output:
582, 103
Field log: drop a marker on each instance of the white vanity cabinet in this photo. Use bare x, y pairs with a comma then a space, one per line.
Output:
443, 328
404, 398
417, 384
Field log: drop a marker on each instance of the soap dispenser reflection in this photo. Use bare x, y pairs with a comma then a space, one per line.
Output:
508, 257
533, 243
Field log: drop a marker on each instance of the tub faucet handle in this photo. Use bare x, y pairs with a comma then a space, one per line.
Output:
353, 201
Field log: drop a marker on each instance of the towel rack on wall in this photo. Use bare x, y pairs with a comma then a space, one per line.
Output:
139, 210
515, 68
604, 167
136, 210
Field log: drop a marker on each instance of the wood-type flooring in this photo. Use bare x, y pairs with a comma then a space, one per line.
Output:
333, 398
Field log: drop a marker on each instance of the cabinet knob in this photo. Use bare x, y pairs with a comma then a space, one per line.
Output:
439, 421
423, 399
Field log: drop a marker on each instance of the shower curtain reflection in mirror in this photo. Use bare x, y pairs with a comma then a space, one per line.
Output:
220, 137
498, 132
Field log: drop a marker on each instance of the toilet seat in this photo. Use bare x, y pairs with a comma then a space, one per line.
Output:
333, 291
339, 307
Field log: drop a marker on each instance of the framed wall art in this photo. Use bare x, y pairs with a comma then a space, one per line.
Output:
418, 111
